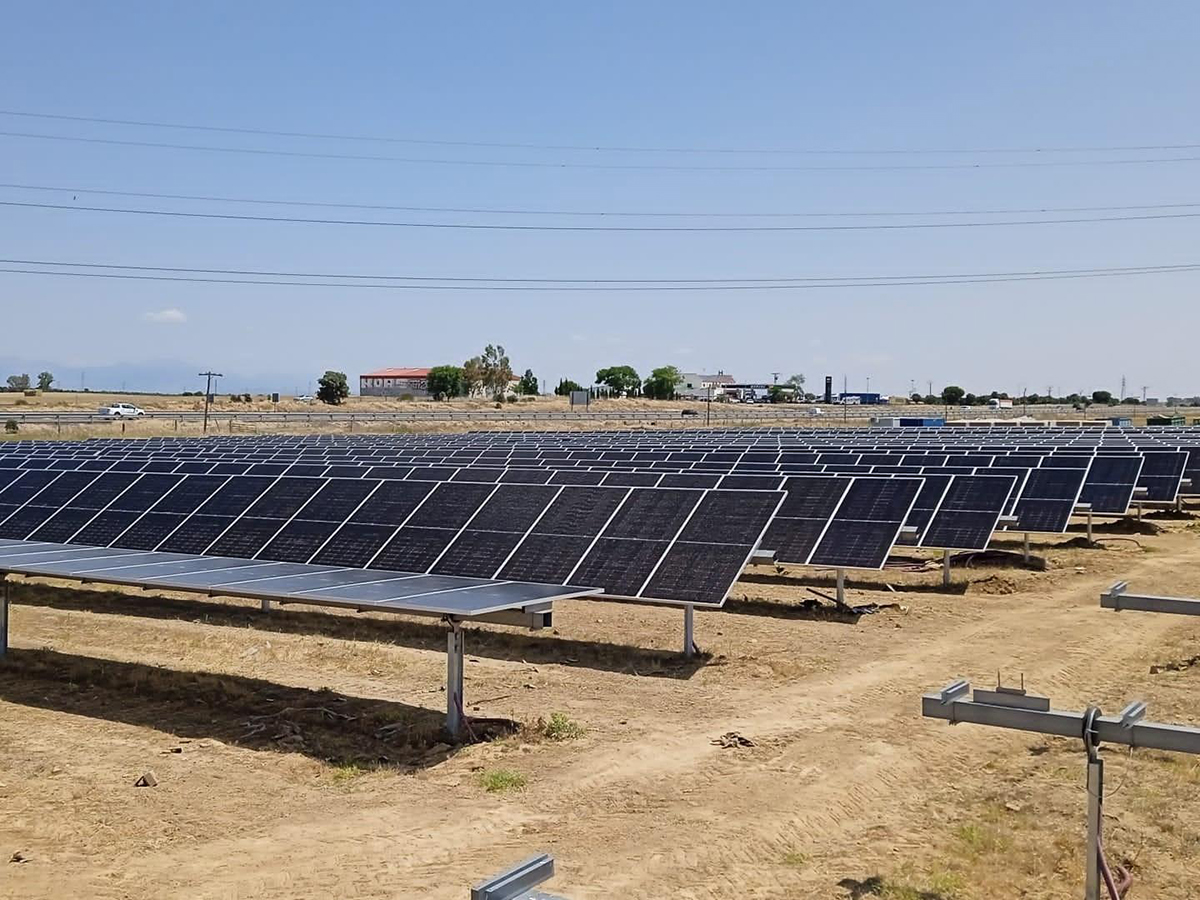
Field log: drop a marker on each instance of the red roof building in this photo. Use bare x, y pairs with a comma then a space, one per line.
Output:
395, 383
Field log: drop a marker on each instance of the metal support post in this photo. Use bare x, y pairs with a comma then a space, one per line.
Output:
1139, 511
1089, 525
841, 587
1095, 820
689, 631
4, 618
266, 606
946, 568
454, 677
1025, 548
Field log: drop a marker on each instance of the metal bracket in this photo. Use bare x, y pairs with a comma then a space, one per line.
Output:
518, 882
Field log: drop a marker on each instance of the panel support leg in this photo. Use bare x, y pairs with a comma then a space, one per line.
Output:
1095, 790
1026, 547
454, 677
4, 617
689, 631
841, 587
945, 568
1139, 511
1089, 526
266, 606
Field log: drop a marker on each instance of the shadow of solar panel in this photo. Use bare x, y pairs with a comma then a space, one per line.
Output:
64, 523
513, 508
149, 531
619, 566
476, 554
879, 499
960, 530
450, 506
697, 573
393, 502
104, 529
297, 541
546, 558
195, 534
413, 549
1050, 516
653, 514
731, 517
284, 498
353, 545
855, 544
24, 521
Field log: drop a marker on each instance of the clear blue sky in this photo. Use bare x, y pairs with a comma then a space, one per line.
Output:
861, 76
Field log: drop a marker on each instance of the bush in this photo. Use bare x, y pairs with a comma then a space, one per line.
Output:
511, 398
11, 426
234, 398
246, 398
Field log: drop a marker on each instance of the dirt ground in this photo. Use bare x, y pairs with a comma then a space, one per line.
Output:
297, 753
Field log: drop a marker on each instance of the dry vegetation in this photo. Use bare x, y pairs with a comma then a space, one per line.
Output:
298, 754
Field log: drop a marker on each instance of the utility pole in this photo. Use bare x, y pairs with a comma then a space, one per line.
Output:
1144, 386
1121, 398
208, 394
774, 378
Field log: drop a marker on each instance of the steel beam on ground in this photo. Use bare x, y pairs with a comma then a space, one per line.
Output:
518, 883
1118, 597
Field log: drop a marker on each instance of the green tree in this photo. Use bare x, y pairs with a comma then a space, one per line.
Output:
777, 393
796, 381
445, 382
970, 400
18, 382
620, 379
332, 387
952, 395
566, 386
1131, 401
472, 376
1102, 398
661, 383
45, 380
916, 398
528, 384
496, 370
931, 399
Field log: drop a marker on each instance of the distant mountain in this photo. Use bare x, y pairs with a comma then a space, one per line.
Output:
161, 377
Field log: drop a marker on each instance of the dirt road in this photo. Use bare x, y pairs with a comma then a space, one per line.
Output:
846, 791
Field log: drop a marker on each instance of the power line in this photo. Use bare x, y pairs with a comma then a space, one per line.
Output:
1115, 270
531, 164
483, 226
592, 148
210, 198
646, 287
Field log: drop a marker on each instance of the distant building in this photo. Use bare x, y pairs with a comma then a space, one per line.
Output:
855, 397
695, 386
395, 383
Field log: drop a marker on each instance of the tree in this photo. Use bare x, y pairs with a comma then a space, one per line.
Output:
620, 379
1102, 398
796, 381
661, 383
332, 387
472, 376
495, 369
566, 386
952, 395
528, 384
777, 393
1131, 401
931, 399
45, 380
916, 398
18, 382
445, 382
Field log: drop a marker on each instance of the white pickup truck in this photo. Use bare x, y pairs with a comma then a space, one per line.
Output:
121, 411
